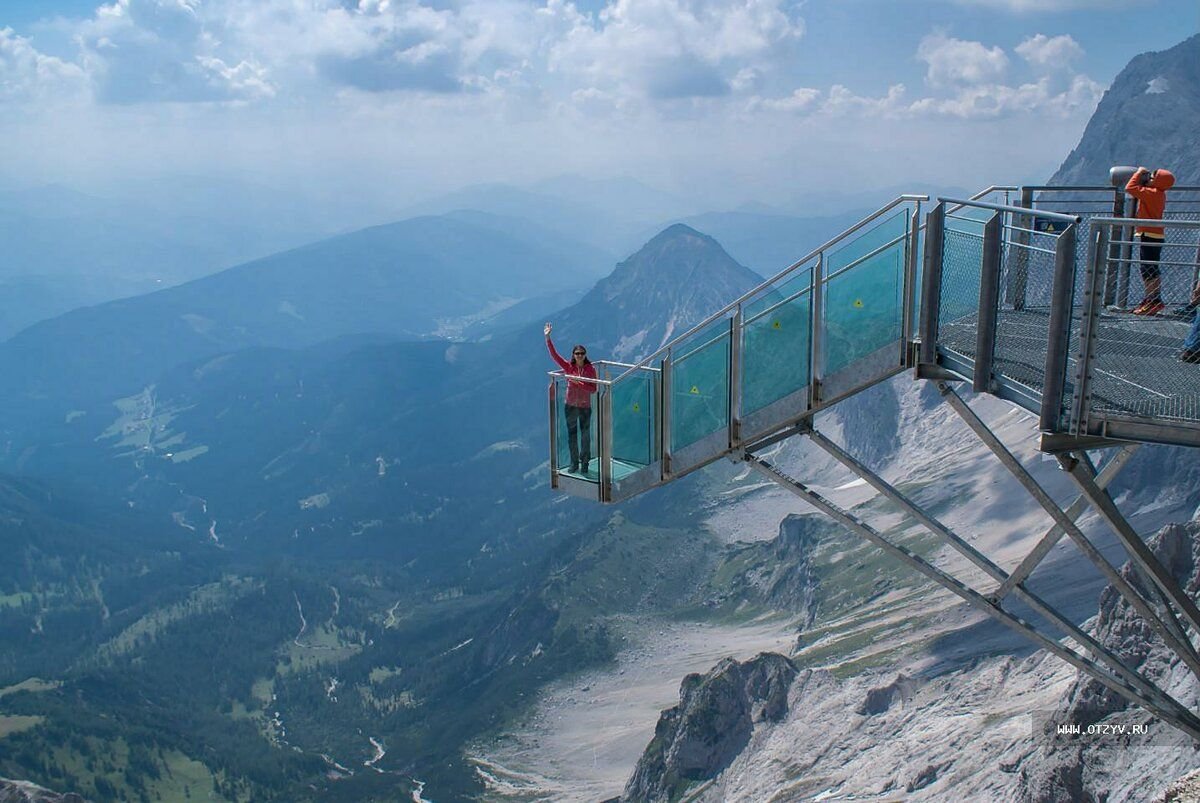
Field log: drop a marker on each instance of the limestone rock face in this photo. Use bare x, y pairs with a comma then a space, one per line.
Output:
25, 792
1058, 773
717, 713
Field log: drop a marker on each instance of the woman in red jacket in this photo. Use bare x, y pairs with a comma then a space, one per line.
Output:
579, 403
1150, 190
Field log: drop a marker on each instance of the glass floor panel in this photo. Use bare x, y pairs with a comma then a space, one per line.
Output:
621, 470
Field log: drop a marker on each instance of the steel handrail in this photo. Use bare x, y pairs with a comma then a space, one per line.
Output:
716, 316
574, 378
1017, 210
1138, 221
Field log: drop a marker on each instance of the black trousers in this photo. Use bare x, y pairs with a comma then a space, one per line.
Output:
1150, 253
579, 435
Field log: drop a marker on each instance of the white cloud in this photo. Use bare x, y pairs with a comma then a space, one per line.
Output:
26, 74
956, 61
665, 49
1046, 53
137, 51
801, 100
990, 101
1047, 6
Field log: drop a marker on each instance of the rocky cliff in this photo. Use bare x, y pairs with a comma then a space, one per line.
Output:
25, 792
1149, 116
716, 716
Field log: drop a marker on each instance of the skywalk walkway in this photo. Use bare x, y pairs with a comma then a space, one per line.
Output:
1022, 293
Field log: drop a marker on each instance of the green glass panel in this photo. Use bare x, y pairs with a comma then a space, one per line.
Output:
864, 308
635, 441
700, 386
883, 233
776, 352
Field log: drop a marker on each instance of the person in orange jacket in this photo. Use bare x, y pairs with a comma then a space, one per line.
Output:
1150, 190
578, 405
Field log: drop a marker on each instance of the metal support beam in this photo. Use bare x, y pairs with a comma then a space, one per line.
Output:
664, 373
1185, 652
931, 282
1055, 533
989, 303
1184, 720
1089, 324
1059, 338
1139, 553
912, 248
553, 397
604, 441
735, 379
816, 360
1065, 625
1018, 276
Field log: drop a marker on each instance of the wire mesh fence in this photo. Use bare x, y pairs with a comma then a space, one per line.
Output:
1140, 364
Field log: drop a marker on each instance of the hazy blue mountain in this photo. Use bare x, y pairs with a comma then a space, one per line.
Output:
361, 509
1149, 116
405, 279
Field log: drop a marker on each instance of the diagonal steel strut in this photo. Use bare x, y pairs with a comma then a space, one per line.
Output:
1055, 533
1043, 608
1183, 720
1182, 648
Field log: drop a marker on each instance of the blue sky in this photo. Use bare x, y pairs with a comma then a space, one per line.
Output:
732, 100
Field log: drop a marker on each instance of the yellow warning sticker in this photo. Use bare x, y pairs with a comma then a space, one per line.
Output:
637, 408
777, 325
858, 303
695, 390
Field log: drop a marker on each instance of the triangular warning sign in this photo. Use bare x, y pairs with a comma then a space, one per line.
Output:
858, 303
637, 408
695, 390
777, 325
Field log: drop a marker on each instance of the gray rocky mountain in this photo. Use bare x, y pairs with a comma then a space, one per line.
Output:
696, 740
25, 792
1149, 116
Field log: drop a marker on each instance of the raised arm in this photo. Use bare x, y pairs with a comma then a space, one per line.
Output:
1135, 187
554, 355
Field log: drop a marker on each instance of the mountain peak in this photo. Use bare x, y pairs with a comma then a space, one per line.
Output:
1148, 116
674, 281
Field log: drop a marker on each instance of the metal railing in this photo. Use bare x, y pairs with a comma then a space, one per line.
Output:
1129, 380
839, 319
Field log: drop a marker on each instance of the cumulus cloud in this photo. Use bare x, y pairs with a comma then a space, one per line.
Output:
952, 61
1050, 53
670, 49
26, 74
138, 51
801, 100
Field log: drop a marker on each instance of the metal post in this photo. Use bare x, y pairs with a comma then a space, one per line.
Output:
816, 362
1184, 720
1050, 506
553, 434
1018, 275
1112, 269
1089, 325
1061, 304
604, 442
664, 378
1126, 254
931, 282
989, 303
912, 249
735, 378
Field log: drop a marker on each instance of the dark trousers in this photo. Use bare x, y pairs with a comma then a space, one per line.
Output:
1150, 253
579, 435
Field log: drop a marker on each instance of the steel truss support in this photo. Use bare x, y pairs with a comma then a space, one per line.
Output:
1124, 682
1163, 624
939, 529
